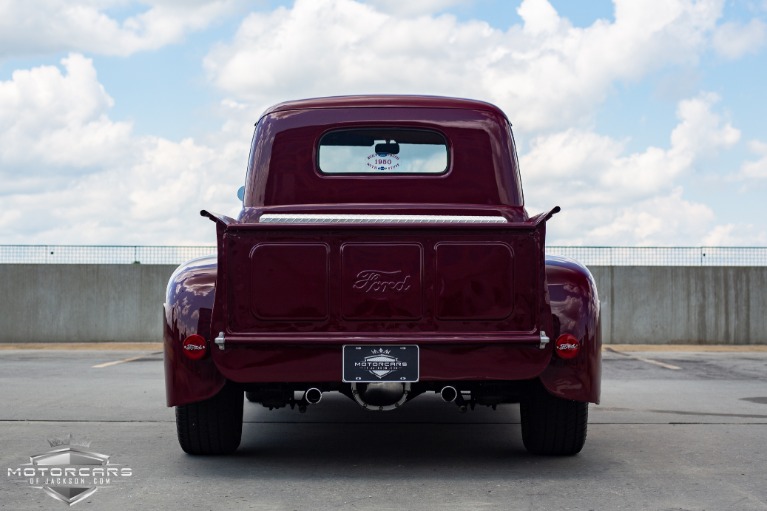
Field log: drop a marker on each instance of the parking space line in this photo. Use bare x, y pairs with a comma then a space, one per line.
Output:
643, 359
116, 362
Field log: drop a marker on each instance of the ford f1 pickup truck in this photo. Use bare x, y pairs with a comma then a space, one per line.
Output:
383, 251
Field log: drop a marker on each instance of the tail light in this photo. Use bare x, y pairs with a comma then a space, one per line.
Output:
567, 346
195, 347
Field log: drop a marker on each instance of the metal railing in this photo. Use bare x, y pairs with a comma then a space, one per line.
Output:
664, 256
592, 256
101, 254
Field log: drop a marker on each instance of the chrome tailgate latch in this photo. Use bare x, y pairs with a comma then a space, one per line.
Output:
544, 340
220, 341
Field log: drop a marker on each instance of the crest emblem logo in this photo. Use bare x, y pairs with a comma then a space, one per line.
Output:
382, 360
381, 363
68, 457
69, 473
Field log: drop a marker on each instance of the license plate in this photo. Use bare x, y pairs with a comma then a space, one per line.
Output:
366, 364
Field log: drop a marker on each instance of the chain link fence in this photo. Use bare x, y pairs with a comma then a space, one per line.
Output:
592, 256
664, 256
101, 254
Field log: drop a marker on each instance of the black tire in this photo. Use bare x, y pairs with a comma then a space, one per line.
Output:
553, 426
252, 397
213, 426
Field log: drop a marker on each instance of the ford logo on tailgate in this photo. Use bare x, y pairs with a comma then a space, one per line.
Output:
378, 281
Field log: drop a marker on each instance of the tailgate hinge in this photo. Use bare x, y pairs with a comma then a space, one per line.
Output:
544, 340
220, 341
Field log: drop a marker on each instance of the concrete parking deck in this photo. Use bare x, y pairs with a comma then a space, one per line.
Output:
689, 438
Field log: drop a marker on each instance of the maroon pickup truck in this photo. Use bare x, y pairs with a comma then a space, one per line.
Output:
383, 251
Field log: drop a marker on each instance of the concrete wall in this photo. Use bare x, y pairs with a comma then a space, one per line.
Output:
683, 305
82, 303
648, 305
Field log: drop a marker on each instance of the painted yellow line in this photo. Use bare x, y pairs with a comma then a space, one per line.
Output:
645, 360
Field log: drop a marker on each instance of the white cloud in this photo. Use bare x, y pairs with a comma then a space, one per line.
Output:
153, 199
732, 235
28, 28
99, 182
56, 122
755, 169
701, 131
539, 17
595, 164
733, 40
96, 181
616, 199
668, 220
545, 73
409, 9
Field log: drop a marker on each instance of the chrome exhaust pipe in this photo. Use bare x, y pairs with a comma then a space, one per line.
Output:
313, 396
448, 394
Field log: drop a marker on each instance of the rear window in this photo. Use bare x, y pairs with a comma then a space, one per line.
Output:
383, 151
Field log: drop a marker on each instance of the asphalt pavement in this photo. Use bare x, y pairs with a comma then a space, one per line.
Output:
676, 430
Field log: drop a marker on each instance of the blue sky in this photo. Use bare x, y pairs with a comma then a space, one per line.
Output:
119, 120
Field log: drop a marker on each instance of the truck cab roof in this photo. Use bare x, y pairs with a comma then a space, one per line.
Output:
385, 101
340, 151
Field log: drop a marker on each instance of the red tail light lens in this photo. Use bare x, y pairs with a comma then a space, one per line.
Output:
195, 347
567, 346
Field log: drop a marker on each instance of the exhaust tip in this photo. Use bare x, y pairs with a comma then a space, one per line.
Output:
448, 394
313, 396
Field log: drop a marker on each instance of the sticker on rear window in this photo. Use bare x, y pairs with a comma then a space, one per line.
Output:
383, 151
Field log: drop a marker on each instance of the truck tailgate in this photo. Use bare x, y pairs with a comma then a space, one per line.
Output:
425, 283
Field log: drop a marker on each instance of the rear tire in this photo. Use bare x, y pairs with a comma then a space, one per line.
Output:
212, 426
551, 425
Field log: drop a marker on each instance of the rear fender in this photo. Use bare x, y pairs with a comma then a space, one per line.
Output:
187, 310
575, 308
